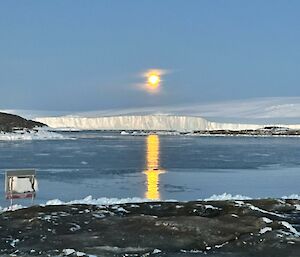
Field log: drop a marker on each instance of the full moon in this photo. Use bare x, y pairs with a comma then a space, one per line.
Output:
153, 80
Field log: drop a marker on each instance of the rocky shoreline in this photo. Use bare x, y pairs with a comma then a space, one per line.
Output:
11, 122
199, 228
265, 131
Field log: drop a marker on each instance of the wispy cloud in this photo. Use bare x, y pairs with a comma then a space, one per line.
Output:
264, 109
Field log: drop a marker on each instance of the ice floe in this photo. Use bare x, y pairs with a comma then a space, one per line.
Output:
226, 196
99, 201
31, 135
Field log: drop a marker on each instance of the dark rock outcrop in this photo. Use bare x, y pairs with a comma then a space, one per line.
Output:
266, 131
11, 122
216, 228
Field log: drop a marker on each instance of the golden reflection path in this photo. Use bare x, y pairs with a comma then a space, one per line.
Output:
152, 168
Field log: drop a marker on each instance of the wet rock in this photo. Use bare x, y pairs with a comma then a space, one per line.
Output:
215, 228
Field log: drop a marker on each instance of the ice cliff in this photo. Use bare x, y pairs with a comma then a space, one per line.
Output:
142, 122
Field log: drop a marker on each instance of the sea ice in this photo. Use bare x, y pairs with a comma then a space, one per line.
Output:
31, 135
226, 196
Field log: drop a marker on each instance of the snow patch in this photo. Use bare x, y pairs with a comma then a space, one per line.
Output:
266, 220
291, 228
155, 251
14, 242
225, 196
220, 246
208, 206
190, 251
73, 252
11, 208
254, 208
68, 251
265, 230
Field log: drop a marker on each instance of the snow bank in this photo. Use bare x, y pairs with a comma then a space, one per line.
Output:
292, 196
12, 208
31, 135
225, 196
99, 201
111, 201
87, 200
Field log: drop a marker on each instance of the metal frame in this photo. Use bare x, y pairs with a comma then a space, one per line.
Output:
20, 173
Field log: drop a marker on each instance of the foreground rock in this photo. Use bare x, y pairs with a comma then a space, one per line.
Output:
10, 122
216, 228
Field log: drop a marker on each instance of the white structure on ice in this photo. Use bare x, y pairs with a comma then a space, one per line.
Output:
145, 122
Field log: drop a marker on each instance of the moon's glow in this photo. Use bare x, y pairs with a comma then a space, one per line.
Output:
153, 80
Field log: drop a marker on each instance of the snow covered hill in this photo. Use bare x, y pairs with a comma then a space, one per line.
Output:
146, 122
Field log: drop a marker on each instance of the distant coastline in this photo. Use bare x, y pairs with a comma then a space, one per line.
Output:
144, 125
11, 123
185, 124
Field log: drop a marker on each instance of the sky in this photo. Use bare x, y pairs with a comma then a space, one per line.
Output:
83, 55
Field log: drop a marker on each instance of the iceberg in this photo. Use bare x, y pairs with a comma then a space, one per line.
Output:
147, 122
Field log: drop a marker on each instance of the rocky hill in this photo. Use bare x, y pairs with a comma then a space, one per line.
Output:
10, 122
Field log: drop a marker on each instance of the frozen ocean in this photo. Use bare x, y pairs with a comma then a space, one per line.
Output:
155, 167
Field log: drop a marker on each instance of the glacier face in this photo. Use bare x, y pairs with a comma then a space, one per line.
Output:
142, 122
